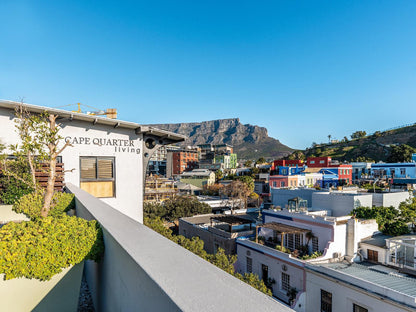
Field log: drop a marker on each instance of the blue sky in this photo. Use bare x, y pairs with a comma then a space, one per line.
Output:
302, 69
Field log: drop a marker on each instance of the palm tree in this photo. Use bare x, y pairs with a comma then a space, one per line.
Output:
329, 138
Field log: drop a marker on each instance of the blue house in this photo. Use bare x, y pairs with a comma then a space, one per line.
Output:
394, 170
329, 177
289, 170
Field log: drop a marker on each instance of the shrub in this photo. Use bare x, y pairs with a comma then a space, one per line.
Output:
12, 190
42, 248
220, 259
31, 204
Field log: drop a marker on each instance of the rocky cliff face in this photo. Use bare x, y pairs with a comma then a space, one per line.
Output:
249, 141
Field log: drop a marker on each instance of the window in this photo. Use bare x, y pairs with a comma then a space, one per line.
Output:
249, 266
282, 184
297, 241
216, 246
264, 273
97, 176
321, 161
285, 281
312, 161
315, 244
290, 241
326, 301
372, 255
402, 171
357, 308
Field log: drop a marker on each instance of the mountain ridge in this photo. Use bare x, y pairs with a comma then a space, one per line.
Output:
249, 141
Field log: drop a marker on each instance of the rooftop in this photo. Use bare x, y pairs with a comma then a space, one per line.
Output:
378, 274
95, 120
284, 228
378, 240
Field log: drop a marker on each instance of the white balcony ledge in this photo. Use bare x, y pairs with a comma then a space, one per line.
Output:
143, 271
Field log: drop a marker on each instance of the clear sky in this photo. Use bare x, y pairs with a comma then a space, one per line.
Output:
302, 69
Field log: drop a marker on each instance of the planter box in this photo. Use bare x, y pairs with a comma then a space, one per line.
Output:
61, 293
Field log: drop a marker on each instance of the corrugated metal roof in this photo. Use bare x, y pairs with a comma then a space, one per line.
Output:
390, 279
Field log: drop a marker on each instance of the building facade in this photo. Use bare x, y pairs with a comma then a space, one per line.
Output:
107, 157
180, 161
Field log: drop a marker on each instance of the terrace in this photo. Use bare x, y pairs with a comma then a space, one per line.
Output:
136, 273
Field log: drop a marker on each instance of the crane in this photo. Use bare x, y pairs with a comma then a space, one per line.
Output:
109, 112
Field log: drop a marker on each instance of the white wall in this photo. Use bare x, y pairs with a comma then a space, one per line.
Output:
128, 163
340, 204
344, 296
390, 199
322, 229
280, 262
281, 196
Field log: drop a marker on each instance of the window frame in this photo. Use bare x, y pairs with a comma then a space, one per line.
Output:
285, 284
358, 308
249, 264
113, 168
326, 301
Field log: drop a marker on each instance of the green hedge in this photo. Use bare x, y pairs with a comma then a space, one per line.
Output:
12, 190
31, 204
42, 248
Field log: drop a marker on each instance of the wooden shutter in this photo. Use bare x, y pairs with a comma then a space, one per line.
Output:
105, 169
88, 168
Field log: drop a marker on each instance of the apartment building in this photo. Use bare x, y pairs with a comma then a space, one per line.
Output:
180, 161
288, 240
108, 157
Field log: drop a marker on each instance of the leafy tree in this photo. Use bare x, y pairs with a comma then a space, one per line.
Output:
39, 136
358, 134
213, 190
48, 136
401, 153
223, 261
247, 163
29, 146
297, 155
391, 221
261, 160
255, 170
14, 178
220, 259
176, 207
218, 175
249, 181
408, 210
239, 190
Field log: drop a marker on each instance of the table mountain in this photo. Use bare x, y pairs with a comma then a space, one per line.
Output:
250, 142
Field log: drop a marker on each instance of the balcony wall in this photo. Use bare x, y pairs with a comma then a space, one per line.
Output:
143, 271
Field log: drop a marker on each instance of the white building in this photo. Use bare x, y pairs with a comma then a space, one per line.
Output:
338, 203
334, 237
345, 287
108, 157
360, 169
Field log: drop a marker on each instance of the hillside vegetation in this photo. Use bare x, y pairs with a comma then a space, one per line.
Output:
391, 145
